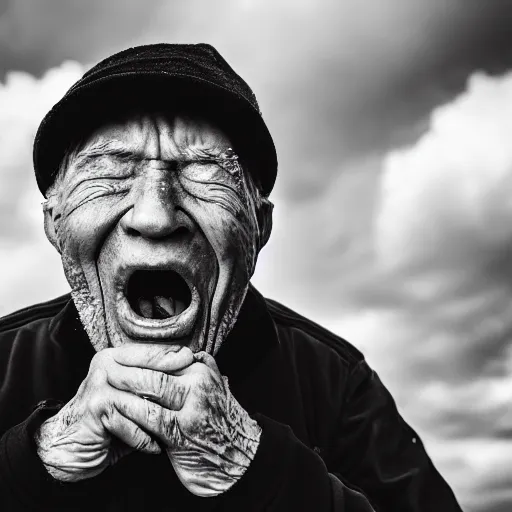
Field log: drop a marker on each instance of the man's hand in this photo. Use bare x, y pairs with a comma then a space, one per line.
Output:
83, 438
209, 438
139, 393
212, 439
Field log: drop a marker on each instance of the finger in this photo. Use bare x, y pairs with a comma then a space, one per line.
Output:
207, 359
130, 433
162, 388
163, 358
149, 416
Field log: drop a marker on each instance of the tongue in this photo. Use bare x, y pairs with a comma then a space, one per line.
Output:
160, 307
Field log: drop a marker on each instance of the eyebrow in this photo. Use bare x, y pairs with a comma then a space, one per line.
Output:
117, 149
99, 149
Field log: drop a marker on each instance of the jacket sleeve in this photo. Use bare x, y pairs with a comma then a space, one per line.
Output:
378, 463
287, 475
378, 452
24, 482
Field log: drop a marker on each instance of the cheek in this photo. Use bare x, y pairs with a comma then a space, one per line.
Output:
83, 229
229, 225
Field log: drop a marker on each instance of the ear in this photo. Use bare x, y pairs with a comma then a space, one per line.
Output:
51, 221
264, 215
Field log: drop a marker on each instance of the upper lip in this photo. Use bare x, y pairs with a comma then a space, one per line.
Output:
127, 270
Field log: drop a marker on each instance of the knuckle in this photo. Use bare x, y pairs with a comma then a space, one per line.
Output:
150, 411
168, 423
187, 355
153, 416
108, 416
199, 367
180, 392
160, 383
109, 410
100, 358
202, 357
156, 417
97, 377
200, 374
181, 356
97, 403
142, 442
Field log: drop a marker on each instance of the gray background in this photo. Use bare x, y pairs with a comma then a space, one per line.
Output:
392, 120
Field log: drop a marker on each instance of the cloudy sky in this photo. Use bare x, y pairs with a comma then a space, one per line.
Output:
393, 225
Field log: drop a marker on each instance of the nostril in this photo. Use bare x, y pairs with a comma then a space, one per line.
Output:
180, 231
150, 219
132, 232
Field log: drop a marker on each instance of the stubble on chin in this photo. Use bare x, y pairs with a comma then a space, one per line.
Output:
226, 323
90, 309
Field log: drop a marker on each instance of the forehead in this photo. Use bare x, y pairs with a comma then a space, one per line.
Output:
158, 136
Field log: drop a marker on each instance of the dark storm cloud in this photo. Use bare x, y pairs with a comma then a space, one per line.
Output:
351, 79
461, 36
337, 79
394, 82
408, 257
38, 34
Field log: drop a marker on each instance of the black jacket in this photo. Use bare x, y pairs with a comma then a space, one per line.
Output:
332, 437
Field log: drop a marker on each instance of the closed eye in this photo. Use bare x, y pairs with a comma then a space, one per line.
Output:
92, 192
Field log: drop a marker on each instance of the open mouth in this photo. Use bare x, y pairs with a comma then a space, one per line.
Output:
157, 294
157, 303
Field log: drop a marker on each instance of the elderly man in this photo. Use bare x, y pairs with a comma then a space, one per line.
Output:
166, 381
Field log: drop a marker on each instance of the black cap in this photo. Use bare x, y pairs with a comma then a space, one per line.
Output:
167, 77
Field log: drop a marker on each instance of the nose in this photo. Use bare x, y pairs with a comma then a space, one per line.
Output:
155, 213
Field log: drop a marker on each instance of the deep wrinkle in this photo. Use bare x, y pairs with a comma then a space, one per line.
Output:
109, 341
228, 164
201, 177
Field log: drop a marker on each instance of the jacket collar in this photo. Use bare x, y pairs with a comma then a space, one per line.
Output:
252, 338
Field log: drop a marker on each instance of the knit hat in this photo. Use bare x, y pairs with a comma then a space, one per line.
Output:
167, 77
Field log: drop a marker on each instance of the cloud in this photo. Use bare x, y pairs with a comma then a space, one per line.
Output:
443, 237
336, 80
30, 268
406, 254
36, 35
443, 233
409, 256
339, 80
23, 102
457, 176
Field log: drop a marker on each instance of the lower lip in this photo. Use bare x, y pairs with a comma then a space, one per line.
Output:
169, 329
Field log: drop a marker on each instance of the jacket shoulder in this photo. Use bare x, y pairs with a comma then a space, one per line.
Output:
286, 318
40, 311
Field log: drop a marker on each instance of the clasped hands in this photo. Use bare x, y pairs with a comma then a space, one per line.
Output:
152, 398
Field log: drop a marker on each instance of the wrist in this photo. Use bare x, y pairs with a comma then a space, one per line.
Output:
46, 451
58, 452
211, 463
246, 434
243, 442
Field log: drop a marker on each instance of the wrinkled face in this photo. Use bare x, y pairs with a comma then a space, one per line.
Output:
159, 229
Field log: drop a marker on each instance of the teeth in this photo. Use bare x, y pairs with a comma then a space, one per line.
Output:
166, 304
160, 307
146, 308
180, 307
